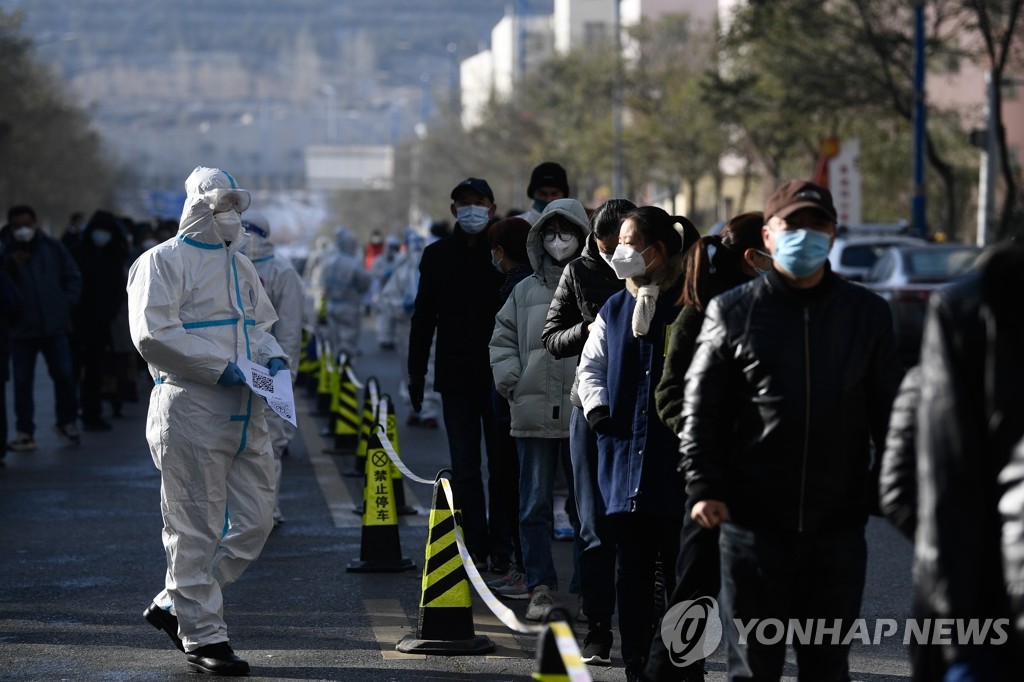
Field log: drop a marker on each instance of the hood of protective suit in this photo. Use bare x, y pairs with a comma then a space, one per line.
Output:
346, 241
544, 266
209, 190
258, 247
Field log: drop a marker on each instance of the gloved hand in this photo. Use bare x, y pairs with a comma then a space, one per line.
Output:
416, 385
276, 365
232, 376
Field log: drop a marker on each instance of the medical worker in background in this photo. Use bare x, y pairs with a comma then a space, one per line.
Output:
195, 304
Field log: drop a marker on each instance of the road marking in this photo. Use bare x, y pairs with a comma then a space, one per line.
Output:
390, 623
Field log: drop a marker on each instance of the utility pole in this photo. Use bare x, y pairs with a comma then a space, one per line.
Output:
617, 189
918, 213
989, 167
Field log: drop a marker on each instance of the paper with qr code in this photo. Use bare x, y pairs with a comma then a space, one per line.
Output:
276, 390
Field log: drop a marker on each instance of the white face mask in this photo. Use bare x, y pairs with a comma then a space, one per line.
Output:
561, 250
101, 238
227, 225
628, 262
472, 219
24, 234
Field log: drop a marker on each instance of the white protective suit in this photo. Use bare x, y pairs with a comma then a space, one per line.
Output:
383, 266
344, 281
284, 286
398, 297
195, 303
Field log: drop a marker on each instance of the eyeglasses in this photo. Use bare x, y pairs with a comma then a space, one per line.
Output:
550, 237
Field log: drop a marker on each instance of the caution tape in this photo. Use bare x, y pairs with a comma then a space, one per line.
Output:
352, 376
565, 640
395, 459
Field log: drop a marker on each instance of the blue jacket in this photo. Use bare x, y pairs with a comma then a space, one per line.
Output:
637, 453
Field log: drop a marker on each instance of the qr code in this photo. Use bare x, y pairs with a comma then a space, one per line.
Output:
262, 383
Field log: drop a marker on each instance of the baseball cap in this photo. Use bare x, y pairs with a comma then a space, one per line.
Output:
797, 194
478, 185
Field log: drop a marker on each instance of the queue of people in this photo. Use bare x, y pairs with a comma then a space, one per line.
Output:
715, 409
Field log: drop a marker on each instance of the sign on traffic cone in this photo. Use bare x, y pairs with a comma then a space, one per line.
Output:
379, 550
390, 422
445, 624
367, 425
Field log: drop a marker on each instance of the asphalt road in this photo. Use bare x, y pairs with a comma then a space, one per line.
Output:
80, 558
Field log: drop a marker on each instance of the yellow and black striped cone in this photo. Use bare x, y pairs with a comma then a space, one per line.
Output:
334, 389
379, 549
323, 384
309, 363
391, 429
550, 662
445, 625
344, 411
367, 425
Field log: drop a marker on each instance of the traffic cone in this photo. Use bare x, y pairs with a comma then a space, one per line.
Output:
379, 550
333, 389
344, 411
308, 363
551, 665
445, 624
323, 386
391, 429
367, 425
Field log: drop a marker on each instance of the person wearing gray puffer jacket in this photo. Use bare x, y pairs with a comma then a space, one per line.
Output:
537, 387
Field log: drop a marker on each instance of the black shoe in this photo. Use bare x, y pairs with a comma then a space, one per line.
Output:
164, 620
635, 670
500, 564
217, 659
597, 648
97, 424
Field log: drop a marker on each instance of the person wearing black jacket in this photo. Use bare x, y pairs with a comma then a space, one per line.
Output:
586, 284
457, 299
102, 257
968, 556
793, 379
10, 310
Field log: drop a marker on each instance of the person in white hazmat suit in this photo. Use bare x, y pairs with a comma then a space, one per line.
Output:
284, 286
195, 304
398, 298
344, 281
380, 273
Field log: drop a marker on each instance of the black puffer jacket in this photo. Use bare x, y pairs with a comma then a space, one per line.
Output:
970, 466
586, 284
784, 395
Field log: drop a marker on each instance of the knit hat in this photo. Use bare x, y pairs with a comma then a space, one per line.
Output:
548, 174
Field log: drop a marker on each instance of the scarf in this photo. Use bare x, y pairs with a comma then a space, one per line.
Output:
646, 290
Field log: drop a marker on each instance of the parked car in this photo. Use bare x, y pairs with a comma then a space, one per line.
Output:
906, 275
857, 247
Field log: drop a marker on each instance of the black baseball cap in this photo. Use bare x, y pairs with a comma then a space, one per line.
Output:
478, 185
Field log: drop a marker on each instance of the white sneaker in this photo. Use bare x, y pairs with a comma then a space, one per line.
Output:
541, 603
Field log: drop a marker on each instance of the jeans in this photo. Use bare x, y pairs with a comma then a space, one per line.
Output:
642, 540
539, 459
56, 351
467, 418
771, 574
597, 551
698, 574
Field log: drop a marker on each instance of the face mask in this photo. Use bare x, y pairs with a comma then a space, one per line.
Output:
606, 256
24, 234
497, 263
539, 205
627, 262
801, 252
101, 238
227, 225
560, 250
472, 219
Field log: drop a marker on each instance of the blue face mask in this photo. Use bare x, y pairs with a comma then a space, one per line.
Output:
801, 252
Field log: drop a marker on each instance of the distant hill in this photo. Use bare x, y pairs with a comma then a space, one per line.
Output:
250, 83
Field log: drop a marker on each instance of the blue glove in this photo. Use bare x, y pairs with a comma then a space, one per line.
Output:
275, 365
232, 376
